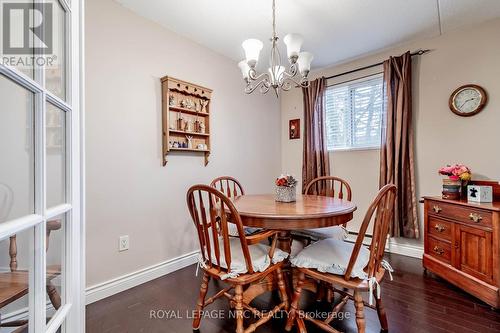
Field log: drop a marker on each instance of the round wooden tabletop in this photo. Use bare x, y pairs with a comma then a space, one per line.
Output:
309, 211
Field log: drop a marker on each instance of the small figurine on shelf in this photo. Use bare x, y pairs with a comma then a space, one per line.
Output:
201, 146
196, 126
197, 106
176, 144
183, 103
180, 122
171, 100
189, 126
202, 128
189, 139
204, 104
170, 145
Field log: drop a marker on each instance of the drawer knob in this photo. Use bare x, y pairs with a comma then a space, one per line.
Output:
475, 217
438, 250
437, 209
439, 227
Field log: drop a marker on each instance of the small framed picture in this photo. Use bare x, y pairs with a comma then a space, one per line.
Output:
294, 129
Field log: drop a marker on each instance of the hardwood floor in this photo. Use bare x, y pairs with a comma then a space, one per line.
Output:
414, 302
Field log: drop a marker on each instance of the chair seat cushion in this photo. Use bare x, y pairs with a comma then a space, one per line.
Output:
259, 254
233, 230
335, 232
332, 256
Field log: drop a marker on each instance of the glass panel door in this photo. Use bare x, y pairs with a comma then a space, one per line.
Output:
41, 226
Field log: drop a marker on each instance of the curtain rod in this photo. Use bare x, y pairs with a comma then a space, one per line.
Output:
419, 52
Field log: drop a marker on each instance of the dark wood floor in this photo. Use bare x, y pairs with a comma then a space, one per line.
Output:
414, 303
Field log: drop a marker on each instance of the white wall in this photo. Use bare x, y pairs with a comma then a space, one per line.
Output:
128, 191
457, 58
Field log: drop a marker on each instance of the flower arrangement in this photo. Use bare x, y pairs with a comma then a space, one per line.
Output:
457, 172
286, 180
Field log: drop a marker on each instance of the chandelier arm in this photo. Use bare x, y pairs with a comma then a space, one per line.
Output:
303, 83
252, 75
263, 84
292, 73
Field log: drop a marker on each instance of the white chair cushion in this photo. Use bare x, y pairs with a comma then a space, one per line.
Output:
259, 253
233, 230
335, 232
332, 256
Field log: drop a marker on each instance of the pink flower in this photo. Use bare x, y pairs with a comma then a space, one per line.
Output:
454, 177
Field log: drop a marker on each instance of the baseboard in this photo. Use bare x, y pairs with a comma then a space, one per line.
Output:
393, 246
108, 288
408, 250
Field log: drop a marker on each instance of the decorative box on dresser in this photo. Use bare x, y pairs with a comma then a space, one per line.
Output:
462, 245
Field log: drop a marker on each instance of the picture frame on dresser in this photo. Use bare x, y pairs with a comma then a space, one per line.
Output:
462, 244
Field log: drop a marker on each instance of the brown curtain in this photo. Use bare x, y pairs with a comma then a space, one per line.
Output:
397, 151
315, 161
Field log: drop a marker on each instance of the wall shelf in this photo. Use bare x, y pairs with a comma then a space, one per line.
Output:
186, 118
188, 133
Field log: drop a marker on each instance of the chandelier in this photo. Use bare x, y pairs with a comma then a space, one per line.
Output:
276, 77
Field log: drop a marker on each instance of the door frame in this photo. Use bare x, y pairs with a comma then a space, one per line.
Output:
72, 312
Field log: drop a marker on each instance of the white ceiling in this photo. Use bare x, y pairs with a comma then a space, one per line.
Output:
334, 30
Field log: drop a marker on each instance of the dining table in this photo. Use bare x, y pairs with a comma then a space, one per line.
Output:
307, 212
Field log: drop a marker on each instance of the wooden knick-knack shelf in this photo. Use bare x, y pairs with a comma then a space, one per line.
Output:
186, 117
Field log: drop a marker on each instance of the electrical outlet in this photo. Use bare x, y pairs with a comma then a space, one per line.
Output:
123, 243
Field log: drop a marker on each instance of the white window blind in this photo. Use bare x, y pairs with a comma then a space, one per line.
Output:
353, 113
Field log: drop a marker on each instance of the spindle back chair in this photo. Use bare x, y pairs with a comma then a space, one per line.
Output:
210, 210
380, 214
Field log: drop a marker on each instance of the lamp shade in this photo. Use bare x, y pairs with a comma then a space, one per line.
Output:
304, 62
293, 44
276, 73
244, 68
252, 49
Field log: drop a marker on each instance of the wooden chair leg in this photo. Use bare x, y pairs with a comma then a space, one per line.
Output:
360, 315
295, 302
201, 301
330, 295
238, 298
54, 296
320, 291
382, 316
282, 288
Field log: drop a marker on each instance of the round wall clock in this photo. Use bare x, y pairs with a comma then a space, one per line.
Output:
468, 100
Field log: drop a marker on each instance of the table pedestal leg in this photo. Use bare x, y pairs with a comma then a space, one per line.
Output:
285, 241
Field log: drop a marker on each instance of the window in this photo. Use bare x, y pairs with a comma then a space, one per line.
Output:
354, 113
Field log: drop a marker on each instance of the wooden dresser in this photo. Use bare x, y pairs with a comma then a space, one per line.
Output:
462, 245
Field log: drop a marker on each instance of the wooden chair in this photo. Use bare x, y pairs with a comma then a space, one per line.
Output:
222, 256
228, 185
331, 187
231, 188
381, 212
15, 283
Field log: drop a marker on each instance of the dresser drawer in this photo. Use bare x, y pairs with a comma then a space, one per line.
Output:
439, 228
439, 249
460, 213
